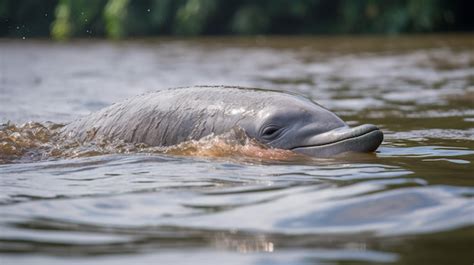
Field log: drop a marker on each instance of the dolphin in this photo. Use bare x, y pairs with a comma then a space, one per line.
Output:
273, 118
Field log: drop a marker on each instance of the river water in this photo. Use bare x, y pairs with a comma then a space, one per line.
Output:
409, 203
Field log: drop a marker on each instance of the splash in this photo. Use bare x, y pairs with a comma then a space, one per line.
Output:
28, 142
232, 144
35, 141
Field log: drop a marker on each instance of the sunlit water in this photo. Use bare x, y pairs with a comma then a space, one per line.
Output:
208, 203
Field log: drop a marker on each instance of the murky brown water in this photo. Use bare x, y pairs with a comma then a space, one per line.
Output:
112, 203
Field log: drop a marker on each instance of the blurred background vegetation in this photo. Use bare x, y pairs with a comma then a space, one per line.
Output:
63, 19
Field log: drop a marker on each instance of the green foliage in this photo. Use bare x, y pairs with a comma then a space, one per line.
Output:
76, 18
26, 18
390, 17
191, 18
248, 20
116, 19
425, 14
61, 28
115, 14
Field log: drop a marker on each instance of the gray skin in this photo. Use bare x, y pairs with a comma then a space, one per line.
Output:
273, 118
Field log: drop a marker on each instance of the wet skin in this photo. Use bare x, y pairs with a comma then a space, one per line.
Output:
273, 118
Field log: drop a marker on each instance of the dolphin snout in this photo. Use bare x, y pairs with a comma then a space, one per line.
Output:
363, 138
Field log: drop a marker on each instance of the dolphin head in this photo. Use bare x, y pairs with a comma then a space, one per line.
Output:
299, 124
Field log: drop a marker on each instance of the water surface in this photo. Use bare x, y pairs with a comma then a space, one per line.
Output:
409, 203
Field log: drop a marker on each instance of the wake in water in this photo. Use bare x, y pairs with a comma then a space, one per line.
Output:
35, 141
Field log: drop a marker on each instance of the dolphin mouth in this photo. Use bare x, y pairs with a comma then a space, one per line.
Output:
364, 138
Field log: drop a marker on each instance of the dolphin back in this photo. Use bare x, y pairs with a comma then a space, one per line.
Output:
168, 117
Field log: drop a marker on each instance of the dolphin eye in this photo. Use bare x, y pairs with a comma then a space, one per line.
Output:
270, 132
